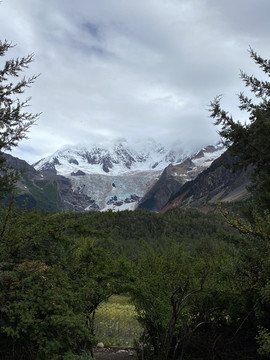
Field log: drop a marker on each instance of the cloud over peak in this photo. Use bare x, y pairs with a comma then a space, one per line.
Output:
132, 68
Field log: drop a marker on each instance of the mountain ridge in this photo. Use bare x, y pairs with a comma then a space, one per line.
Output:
118, 176
113, 158
68, 180
216, 183
175, 176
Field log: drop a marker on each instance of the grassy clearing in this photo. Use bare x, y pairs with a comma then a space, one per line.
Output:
116, 323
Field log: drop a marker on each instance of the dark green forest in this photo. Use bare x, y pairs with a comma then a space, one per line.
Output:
200, 287
199, 282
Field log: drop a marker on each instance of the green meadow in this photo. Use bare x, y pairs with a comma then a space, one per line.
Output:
116, 322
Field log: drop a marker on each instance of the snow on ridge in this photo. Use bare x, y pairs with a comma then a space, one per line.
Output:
209, 154
119, 157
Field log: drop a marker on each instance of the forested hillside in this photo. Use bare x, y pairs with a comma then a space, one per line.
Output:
57, 267
197, 284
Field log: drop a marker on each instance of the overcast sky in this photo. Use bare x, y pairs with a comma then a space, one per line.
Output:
132, 68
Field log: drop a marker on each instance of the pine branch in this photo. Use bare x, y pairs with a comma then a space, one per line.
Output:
264, 64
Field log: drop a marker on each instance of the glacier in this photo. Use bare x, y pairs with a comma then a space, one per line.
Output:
116, 175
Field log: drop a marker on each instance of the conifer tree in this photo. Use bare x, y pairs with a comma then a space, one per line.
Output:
250, 141
15, 121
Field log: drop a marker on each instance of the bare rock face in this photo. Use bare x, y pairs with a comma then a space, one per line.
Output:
162, 190
75, 201
128, 200
78, 173
73, 161
107, 164
50, 167
216, 183
175, 176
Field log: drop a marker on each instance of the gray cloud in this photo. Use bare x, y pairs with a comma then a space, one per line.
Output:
132, 68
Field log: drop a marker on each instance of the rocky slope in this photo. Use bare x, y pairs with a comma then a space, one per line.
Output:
175, 176
45, 191
216, 183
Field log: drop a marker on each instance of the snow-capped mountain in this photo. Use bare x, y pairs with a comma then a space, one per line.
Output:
117, 175
113, 158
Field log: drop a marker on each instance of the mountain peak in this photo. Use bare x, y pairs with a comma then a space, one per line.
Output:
114, 158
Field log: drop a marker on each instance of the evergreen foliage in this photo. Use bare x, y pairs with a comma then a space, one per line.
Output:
250, 141
14, 120
196, 291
